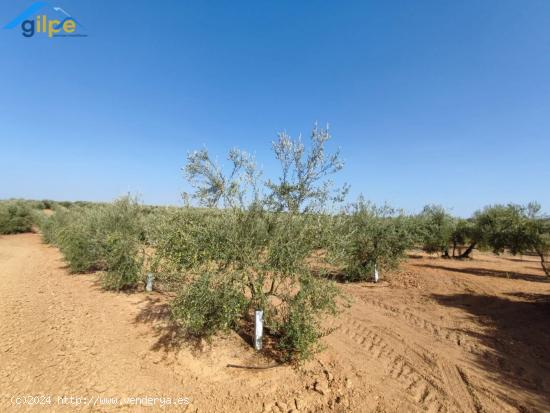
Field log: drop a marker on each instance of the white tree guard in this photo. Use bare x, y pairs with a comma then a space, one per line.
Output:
259, 330
149, 286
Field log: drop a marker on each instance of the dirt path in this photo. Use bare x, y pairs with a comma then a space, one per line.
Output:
440, 336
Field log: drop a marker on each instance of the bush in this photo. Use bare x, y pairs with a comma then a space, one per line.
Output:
242, 260
184, 239
208, 305
299, 335
101, 237
253, 259
369, 236
80, 241
123, 262
300, 330
15, 217
436, 229
260, 244
50, 226
48, 203
516, 228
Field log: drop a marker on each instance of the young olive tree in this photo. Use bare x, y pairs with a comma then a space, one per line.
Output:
244, 257
436, 229
104, 237
369, 236
464, 232
494, 227
516, 228
15, 217
304, 185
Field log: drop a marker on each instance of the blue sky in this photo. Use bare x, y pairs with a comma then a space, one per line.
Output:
441, 102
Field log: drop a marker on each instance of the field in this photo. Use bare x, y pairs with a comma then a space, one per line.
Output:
437, 335
247, 207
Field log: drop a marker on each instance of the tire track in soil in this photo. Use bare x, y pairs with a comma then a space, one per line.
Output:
458, 387
429, 365
415, 378
461, 341
443, 333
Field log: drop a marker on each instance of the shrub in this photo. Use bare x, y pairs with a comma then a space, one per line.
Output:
48, 203
367, 236
236, 261
209, 304
436, 229
300, 335
37, 205
15, 217
123, 261
100, 237
80, 241
515, 228
261, 254
50, 226
300, 329
184, 238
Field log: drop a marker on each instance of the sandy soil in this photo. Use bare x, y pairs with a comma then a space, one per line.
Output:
438, 336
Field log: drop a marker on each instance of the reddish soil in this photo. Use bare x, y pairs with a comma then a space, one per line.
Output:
439, 336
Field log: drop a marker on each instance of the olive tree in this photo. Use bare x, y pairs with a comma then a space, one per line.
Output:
516, 228
15, 217
247, 256
369, 236
436, 229
304, 183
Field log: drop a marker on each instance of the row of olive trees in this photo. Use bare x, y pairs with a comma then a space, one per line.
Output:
100, 237
514, 228
258, 244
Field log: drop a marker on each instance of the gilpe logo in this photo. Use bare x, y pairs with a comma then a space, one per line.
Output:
41, 18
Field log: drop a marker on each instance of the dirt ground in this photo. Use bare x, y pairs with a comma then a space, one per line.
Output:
438, 336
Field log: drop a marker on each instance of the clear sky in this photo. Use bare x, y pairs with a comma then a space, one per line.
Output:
442, 102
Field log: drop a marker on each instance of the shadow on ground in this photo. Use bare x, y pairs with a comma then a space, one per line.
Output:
171, 338
484, 272
517, 341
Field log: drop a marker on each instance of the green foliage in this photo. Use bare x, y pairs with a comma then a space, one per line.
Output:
48, 203
236, 261
304, 185
183, 239
213, 187
209, 304
436, 229
101, 237
123, 261
299, 335
516, 228
259, 253
503, 227
300, 329
15, 217
80, 240
256, 252
367, 236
